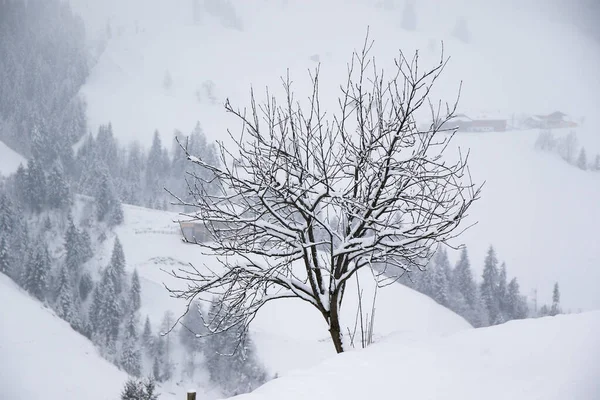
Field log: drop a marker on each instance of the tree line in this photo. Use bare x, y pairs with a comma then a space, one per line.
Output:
493, 301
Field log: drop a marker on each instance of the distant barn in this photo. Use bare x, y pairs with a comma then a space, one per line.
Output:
192, 231
556, 120
477, 124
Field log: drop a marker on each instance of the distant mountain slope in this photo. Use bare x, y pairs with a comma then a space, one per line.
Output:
43, 358
552, 358
289, 334
9, 160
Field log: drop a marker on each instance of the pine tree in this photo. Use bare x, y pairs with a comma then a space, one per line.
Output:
192, 325
502, 293
516, 304
59, 192
139, 390
135, 300
36, 185
489, 286
35, 279
555, 309
131, 358
65, 304
439, 279
147, 337
73, 255
105, 311
5, 262
164, 346
582, 160
108, 206
596, 166
86, 285
7, 215
117, 266
463, 279
230, 359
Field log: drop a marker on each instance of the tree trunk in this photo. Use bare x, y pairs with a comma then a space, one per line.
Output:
334, 325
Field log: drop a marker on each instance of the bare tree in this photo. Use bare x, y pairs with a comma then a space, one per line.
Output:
307, 199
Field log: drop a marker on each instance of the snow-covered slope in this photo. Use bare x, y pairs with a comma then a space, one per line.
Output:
537, 210
41, 357
548, 358
289, 334
9, 160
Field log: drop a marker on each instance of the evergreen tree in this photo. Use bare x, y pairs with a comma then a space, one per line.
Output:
439, 278
5, 263
139, 390
135, 300
192, 327
544, 311
582, 160
555, 309
86, 285
108, 206
36, 273
73, 257
516, 304
36, 185
131, 358
502, 293
230, 359
164, 346
117, 266
463, 279
7, 215
65, 304
105, 311
596, 165
147, 337
489, 287
59, 192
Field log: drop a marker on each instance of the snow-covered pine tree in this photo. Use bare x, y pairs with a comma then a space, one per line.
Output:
164, 346
147, 337
489, 286
73, 254
65, 303
582, 160
439, 280
86, 285
463, 279
516, 304
105, 311
596, 165
7, 215
5, 262
555, 308
131, 358
59, 192
117, 266
36, 273
135, 300
36, 186
192, 327
108, 206
231, 362
502, 294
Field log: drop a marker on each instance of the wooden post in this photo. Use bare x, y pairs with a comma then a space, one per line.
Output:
191, 396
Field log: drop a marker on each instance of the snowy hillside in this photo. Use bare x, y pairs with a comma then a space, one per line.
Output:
288, 333
43, 358
161, 70
9, 160
548, 358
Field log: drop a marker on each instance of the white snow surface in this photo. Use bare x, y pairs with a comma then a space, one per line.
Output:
9, 160
548, 358
42, 357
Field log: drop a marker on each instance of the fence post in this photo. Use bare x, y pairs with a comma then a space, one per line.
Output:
191, 396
